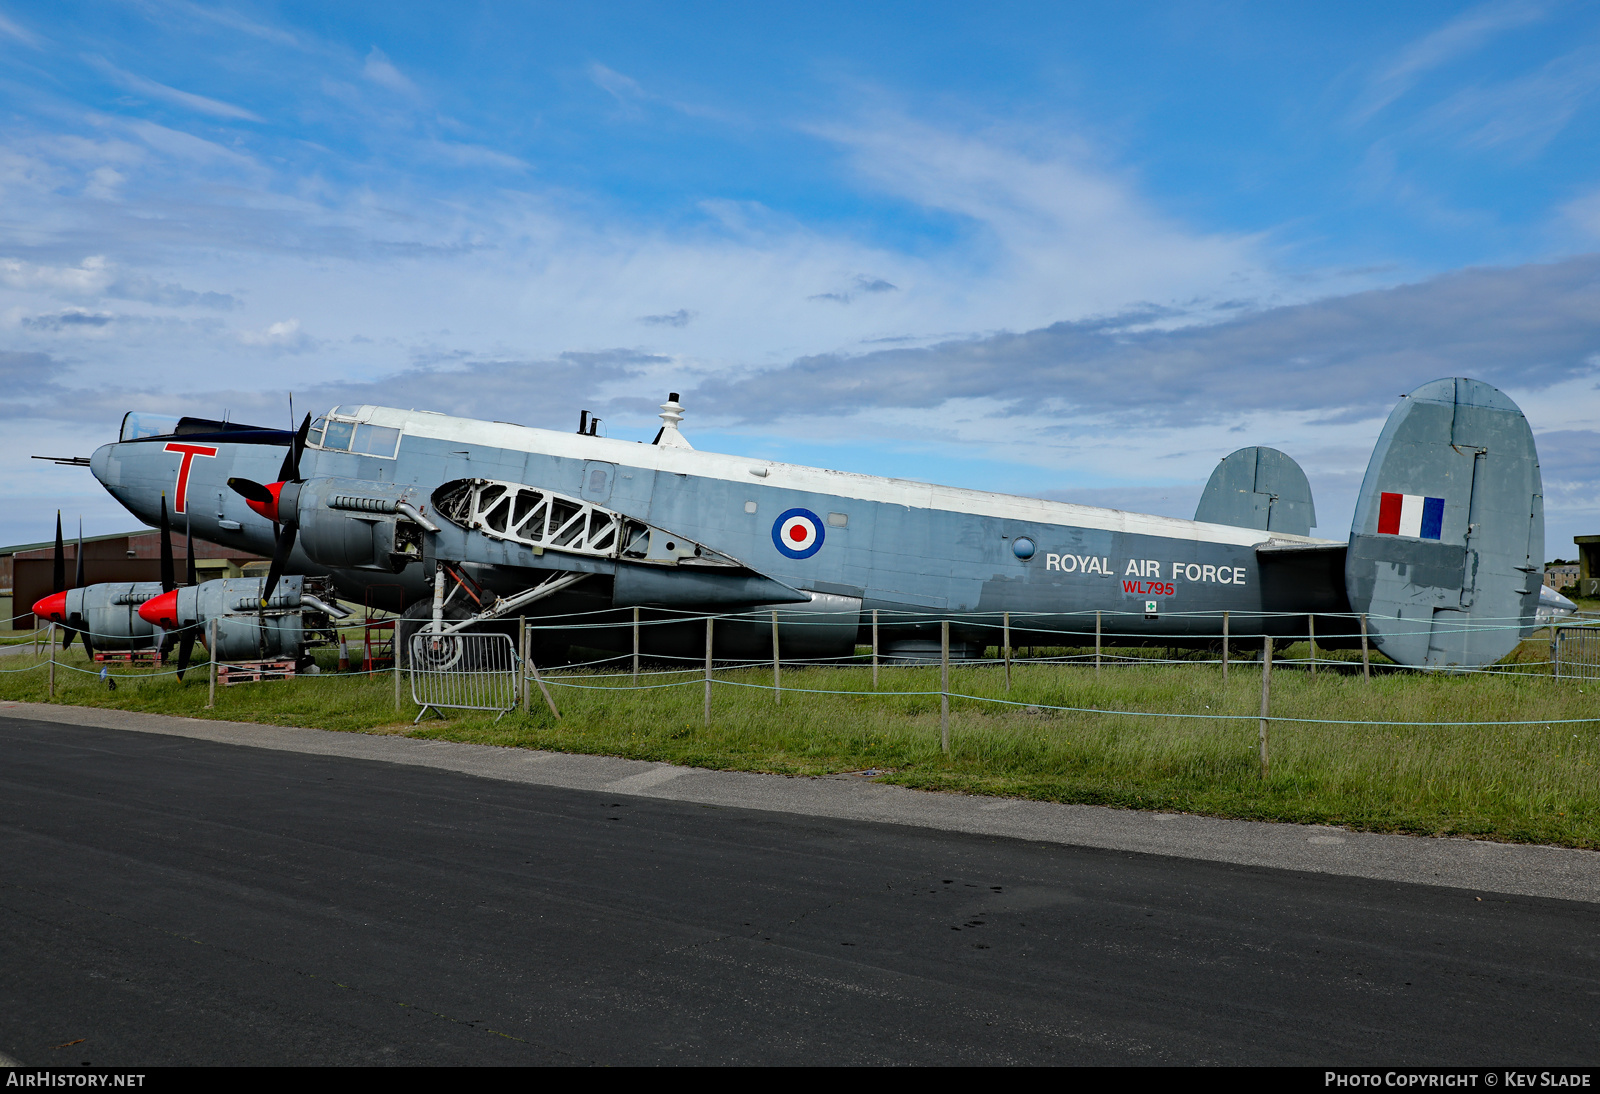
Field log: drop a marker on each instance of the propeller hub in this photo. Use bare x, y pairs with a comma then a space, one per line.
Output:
268, 509
52, 608
159, 611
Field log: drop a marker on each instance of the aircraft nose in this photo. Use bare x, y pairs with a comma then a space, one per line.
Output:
161, 611
53, 607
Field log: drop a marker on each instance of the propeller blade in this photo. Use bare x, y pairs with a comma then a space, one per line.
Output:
290, 471
250, 490
189, 577
78, 581
169, 577
88, 643
185, 650
59, 573
67, 631
280, 559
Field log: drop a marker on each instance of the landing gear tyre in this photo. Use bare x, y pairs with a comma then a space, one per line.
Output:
446, 654
449, 652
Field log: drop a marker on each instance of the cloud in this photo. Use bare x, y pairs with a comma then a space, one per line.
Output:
284, 335
1045, 215
1342, 358
96, 277
10, 29
625, 89
532, 392
862, 285
89, 278
72, 317
200, 104
29, 378
1464, 34
679, 318
1526, 112
381, 71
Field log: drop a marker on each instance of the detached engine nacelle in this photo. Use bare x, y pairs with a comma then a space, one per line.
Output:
107, 612
296, 618
357, 524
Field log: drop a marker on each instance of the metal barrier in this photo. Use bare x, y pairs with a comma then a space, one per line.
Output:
1575, 653
463, 671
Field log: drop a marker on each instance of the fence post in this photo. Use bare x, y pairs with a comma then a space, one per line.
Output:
1266, 692
396, 645
50, 642
708, 670
777, 681
1366, 664
874, 649
522, 695
211, 690
1224, 648
1555, 653
1097, 645
1311, 633
944, 686
529, 666
1008, 649
636, 647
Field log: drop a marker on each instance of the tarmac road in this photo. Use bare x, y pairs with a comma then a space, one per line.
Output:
172, 900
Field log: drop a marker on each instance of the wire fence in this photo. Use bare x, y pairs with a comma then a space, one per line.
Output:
490, 672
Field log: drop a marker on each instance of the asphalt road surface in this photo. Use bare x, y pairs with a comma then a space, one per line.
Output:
166, 900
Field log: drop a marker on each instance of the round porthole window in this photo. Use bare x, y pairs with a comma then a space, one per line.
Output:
1023, 547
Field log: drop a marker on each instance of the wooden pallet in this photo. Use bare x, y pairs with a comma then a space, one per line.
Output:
131, 657
254, 672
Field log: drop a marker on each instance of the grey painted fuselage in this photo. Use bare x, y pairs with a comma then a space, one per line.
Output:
914, 552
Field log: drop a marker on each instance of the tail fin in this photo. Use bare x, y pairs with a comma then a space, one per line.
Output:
1259, 488
1447, 544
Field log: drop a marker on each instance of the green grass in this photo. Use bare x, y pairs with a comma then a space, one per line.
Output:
1532, 783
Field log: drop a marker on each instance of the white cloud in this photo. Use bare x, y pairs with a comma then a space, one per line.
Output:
10, 29
285, 334
381, 71
1464, 34
200, 104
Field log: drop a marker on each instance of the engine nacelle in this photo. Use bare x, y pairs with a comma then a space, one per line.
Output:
108, 611
296, 618
357, 524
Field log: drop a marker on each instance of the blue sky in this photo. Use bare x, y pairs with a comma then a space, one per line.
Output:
1080, 251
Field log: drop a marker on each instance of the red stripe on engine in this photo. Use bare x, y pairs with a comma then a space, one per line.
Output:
1389, 514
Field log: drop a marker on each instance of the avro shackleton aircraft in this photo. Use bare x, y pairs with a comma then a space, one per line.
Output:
1444, 555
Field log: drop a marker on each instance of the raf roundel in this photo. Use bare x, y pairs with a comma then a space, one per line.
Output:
797, 533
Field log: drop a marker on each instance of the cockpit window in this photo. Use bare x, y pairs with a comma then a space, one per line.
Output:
337, 434
368, 440
136, 424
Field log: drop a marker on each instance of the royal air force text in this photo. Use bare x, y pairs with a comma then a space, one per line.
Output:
1144, 576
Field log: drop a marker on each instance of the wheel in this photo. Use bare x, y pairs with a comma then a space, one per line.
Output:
446, 654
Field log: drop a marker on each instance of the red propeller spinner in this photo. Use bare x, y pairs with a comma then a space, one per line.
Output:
160, 611
267, 508
52, 608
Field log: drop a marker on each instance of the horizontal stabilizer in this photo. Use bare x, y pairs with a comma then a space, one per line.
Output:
1259, 488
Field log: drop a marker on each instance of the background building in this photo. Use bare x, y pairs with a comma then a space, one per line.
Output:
26, 569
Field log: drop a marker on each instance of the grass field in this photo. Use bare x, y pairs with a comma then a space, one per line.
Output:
1535, 783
